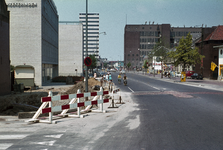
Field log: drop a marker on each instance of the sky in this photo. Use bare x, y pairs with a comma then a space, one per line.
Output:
115, 14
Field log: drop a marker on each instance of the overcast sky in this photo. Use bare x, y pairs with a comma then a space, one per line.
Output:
114, 14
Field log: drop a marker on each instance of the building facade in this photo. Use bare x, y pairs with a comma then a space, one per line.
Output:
93, 33
70, 48
139, 40
212, 37
34, 37
5, 82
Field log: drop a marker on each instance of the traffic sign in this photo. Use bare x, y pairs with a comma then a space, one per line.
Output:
87, 61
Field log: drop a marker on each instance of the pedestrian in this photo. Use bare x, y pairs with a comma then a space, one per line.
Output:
106, 77
110, 77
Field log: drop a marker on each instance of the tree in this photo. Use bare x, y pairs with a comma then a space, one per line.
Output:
184, 54
93, 63
128, 65
145, 65
160, 51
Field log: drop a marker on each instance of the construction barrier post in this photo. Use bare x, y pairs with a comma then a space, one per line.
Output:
50, 105
101, 97
78, 101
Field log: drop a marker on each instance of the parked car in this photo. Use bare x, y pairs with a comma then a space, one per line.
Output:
189, 73
197, 76
178, 74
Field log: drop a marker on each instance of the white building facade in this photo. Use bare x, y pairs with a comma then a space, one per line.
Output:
93, 33
34, 37
70, 48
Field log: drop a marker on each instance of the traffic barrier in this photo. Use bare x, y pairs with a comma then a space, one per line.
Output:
113, 105
72, 105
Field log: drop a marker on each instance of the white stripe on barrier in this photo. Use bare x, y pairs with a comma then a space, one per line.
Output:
87, 94
72, 106
86, 103
72, 96
100, 101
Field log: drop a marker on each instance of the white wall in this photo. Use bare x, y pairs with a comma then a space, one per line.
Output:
70, 49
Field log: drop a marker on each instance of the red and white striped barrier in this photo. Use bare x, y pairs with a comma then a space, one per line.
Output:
75, 105
71, 105
70, 96
115, 91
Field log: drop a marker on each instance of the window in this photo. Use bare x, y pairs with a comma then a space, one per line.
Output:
221, 52
128, 54
137, 54
132, 54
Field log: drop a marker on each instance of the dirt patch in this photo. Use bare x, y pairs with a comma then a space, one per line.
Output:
31, 100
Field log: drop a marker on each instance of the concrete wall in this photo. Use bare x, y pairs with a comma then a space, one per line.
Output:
26, 39
70, 49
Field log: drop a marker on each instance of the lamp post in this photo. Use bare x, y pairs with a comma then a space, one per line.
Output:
86, 68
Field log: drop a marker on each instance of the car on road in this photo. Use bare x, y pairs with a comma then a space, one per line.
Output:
197, 76
189, 73
123, 71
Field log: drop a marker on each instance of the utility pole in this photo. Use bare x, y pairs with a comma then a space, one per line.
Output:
86, 68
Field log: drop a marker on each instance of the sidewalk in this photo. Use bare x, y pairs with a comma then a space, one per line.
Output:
205, 83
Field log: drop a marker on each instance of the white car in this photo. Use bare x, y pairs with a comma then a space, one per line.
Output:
178, 74
123, 71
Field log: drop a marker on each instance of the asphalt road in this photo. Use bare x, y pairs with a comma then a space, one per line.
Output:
156, 115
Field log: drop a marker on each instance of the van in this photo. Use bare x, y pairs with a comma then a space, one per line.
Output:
189, 73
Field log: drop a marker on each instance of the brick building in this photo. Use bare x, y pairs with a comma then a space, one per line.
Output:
5, 82
211, 37
139, 40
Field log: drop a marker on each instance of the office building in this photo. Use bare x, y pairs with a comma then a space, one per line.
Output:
93, 33
34, 37
139, 40
70, 48
5, 82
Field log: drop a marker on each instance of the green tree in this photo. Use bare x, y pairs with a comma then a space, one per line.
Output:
128, 65
160, 51
145, 65
184, 54
93, 63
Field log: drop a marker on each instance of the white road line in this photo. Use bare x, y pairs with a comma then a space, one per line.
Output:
7, 137
49, 143
131, 89
54, 136
5, 145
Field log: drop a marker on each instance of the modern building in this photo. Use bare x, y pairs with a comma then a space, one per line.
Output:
93, 33
5, 82
208, 46
70, 48
139, 40
34, 37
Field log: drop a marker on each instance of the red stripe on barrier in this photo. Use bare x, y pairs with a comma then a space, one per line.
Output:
106, 100
62, 97
80, 104
46, 110
46, 99
105, 92
80, 95
94, 102
93, 93
65, 107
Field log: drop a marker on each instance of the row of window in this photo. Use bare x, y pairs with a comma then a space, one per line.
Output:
173, 34
147, 46
133, 55
150, 33
149, 40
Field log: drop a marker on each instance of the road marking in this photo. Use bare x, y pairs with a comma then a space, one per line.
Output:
54, 136
7, 137
131, 89
49, 143
5, 145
